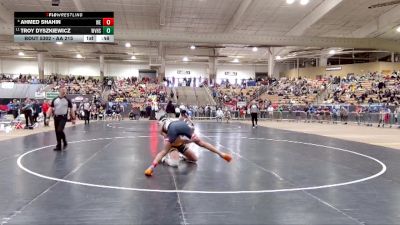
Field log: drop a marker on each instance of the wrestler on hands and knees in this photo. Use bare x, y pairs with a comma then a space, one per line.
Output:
178, 134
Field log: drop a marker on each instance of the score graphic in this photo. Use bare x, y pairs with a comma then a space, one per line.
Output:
108, 25
108, 22
64, 26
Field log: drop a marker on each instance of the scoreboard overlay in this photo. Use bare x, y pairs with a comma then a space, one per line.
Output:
95, 27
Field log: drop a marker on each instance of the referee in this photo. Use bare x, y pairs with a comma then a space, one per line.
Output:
60, 107
254, 110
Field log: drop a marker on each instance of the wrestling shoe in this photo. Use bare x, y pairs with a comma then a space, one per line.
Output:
149, 172
167, 160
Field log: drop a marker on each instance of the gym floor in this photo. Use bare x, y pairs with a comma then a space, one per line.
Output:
276, 177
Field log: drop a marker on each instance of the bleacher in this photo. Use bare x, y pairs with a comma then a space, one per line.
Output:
204, 97
352, 91
194, 96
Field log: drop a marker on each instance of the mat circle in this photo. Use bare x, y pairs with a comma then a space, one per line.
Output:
382, 171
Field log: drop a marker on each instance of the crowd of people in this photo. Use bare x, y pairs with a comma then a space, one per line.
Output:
76, 85
132, 90
272, 90
366, 89
143, 98
21, 79
31, 109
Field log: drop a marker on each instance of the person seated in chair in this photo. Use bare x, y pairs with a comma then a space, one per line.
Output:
131, 115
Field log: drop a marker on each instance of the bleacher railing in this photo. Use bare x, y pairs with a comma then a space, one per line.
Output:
365, 118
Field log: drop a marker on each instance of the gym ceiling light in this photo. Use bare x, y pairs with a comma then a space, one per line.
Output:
302, 2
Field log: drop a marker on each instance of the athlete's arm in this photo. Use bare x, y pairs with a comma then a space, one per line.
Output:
159, 156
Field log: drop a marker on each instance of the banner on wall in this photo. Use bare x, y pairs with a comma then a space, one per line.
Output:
241, 104
251, 83
230, 105
183, 72
40, 95
151, 74
78, 97
231, 73
51, 95
334, 68
7, 85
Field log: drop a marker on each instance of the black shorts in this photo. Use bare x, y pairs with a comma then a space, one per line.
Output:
178, 128
182, 149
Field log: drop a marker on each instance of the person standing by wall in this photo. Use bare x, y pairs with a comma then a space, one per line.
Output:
254, 110
45, 108
60, 107
154, 109
15, 109
227, 114
397, 114
86, 110
170, 110
27, 109
220, 115
177, 112
36, 111
11, 107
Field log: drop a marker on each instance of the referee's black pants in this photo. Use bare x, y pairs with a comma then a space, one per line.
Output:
254, 118
28, 117
15, 113
59, 124
87, 116
153, 115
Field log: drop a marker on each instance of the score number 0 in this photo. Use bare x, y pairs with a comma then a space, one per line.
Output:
108, 26
108, 22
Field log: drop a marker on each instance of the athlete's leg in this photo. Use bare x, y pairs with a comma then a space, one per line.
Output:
211, 148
